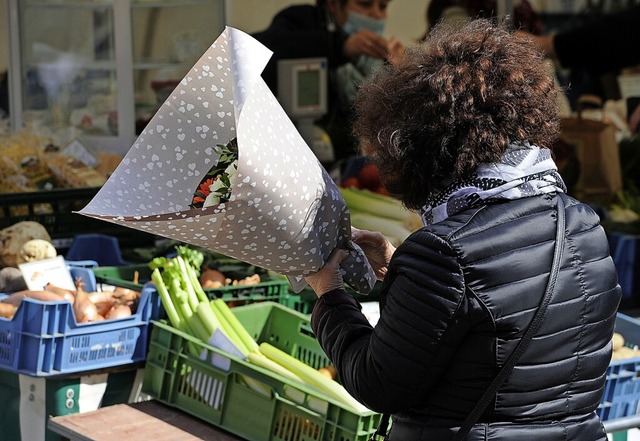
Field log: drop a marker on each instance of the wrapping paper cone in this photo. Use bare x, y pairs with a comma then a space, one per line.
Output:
285, 213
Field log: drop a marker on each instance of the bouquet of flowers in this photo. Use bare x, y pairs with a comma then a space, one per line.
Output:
217, 184
221, 166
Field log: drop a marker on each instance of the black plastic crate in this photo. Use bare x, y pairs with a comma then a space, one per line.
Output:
54, 209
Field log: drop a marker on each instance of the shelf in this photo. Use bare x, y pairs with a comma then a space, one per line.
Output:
68, 55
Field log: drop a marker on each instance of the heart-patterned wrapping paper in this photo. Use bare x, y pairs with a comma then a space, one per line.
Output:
285, 213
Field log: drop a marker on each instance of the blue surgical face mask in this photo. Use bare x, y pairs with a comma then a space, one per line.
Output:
358, 22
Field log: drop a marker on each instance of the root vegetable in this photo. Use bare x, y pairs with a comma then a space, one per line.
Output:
36, 249
618, 341
329, 371
249, 280
124, 295
84, 309
64, 293
101, 297
212, 278
13, 238
118, 311
7, 310
104, 307
45, 296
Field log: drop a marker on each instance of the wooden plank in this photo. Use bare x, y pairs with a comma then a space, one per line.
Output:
147, 420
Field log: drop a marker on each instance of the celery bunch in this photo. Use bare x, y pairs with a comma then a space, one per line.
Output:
190, 310
183, 299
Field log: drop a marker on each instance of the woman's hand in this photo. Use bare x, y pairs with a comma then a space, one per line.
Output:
329, 277
377, 249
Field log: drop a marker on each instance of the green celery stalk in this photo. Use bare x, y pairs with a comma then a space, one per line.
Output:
229, 330
191, 294
321, 383
208, 317
232, 320
169, 307
192, 275
259, 359
198, 329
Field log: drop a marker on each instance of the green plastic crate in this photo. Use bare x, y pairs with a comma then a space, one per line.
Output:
27, 402
304, 300
269, 289
215, 386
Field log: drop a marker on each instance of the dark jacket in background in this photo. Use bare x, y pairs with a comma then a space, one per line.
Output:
457, 299
300, 31
605, 44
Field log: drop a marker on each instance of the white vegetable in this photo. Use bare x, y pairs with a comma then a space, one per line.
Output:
14, 237
36, 249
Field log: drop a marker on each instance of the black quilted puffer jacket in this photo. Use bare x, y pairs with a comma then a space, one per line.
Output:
456, 300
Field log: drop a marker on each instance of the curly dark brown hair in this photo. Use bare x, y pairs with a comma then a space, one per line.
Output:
452, 103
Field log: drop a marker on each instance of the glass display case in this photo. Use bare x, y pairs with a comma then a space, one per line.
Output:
101, 68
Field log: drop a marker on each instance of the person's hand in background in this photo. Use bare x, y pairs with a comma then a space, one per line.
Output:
329, 277
377, 249
366, 42
396, 50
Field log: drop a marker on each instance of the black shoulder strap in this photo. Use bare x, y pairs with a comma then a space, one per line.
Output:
488, 395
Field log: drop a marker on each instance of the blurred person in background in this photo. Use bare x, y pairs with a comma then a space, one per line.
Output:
349, 34
524, 18
460, 129
605, 44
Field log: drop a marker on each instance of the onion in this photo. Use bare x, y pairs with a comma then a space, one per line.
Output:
7, 310
84, 309
212, 278
118, 311
65, 293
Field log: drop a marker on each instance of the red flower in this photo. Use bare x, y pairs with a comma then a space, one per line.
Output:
204, 187
202, 192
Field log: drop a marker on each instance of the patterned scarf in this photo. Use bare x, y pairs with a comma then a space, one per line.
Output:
523, 171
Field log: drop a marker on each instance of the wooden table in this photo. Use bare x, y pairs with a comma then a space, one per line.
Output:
147, 420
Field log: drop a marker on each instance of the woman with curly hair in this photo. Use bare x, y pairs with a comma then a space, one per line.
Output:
460, 130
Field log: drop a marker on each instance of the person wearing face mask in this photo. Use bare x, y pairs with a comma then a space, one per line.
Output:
349, 34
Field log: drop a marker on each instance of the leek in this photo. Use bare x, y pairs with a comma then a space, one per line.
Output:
370, 202
259, 359
394, 230
362, 203
314, 378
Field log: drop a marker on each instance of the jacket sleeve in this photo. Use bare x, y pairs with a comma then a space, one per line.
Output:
389, 368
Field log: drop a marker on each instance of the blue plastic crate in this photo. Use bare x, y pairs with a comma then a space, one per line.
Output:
621, 396
625, 251
101, 248
43, 338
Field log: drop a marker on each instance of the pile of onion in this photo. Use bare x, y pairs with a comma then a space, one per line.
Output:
87, 306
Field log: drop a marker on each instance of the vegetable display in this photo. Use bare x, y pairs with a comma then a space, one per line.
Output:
190, 310
377, 212
87, 306
620, 348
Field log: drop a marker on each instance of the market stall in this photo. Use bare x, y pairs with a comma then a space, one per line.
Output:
216, 341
